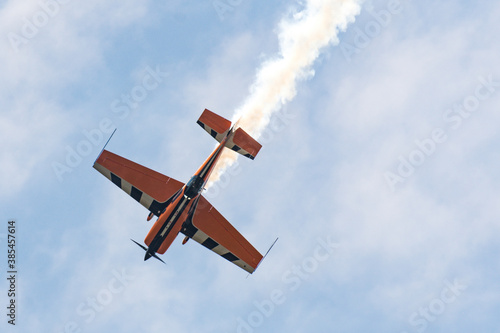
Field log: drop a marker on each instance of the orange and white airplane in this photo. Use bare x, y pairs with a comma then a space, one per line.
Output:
181, 207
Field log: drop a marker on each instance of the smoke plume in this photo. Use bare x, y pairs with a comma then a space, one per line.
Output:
301, 38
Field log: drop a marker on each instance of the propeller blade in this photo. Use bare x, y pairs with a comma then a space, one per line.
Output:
143, 247
154, 255
146, 249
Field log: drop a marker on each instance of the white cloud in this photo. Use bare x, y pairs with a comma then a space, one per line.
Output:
60, 44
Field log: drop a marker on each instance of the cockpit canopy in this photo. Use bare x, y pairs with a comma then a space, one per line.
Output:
193, 187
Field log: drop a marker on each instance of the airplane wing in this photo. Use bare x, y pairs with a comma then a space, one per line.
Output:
209, 228
148, 187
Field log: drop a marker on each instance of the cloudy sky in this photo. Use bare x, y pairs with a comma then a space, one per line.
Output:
380, 177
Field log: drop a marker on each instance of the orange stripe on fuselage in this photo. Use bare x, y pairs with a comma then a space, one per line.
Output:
156, 229
217, 152
172, 234
160, 226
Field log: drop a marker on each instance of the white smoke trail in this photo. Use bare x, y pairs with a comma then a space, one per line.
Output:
301, 39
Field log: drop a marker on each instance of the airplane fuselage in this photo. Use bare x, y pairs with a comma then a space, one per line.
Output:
182, 205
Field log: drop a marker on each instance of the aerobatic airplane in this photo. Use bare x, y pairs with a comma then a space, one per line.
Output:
181, 207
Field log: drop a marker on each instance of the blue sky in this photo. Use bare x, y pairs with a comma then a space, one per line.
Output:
380, 178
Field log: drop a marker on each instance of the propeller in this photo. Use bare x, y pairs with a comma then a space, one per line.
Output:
148, 253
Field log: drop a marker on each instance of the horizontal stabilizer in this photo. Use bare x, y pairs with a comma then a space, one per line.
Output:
215, 125
241, 142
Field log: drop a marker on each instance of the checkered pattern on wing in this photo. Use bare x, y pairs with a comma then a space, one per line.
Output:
148, 187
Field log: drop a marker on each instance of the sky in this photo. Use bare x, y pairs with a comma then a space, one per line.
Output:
379, 176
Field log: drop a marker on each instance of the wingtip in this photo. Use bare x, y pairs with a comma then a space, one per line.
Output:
265, 255
105, 145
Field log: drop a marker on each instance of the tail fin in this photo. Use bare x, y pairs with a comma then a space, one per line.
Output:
239, 140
